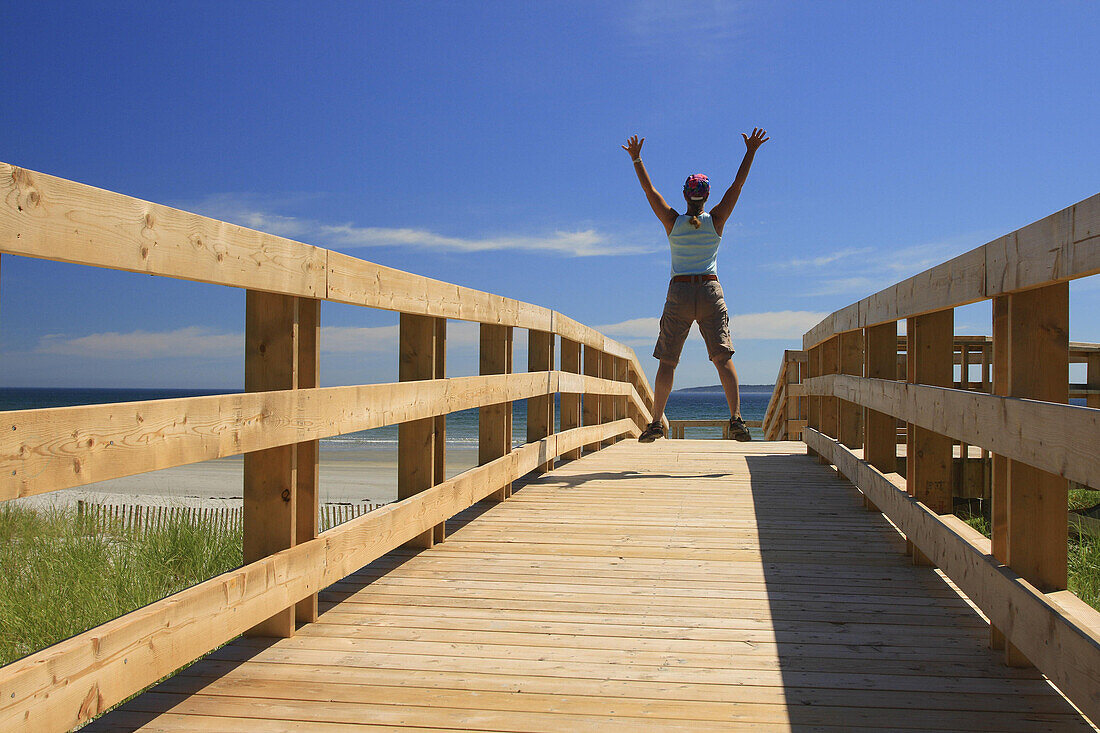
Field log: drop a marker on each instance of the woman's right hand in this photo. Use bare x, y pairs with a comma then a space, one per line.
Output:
634, 147
756, 140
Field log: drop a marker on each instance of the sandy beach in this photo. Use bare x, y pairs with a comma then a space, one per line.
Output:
359, 476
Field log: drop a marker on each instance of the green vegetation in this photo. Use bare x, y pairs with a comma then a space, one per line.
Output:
62, 576
1082, 498
1084, 558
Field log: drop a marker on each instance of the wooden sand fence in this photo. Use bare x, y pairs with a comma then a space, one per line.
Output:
145, 517
277, 422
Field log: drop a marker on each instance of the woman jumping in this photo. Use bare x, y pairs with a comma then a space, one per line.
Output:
694, 294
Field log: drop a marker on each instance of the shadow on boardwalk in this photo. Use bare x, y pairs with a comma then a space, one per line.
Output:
866, 639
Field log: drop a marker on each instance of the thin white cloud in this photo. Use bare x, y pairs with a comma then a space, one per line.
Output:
358, 340
191, 341
821, 260
586, 243
248, 210
197, 341
767, 325
842, 285
870, 269
704, 30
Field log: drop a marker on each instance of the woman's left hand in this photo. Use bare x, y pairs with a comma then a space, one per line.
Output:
634, 147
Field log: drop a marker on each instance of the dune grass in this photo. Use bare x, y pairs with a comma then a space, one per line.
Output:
63, 576
1083, 561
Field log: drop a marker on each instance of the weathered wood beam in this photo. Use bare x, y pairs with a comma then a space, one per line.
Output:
270, 475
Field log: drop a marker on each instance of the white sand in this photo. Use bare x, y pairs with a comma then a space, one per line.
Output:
355, 476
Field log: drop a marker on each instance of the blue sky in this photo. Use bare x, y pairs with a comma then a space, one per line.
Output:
479, 143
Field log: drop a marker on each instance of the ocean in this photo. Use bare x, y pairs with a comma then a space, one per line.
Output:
461, 426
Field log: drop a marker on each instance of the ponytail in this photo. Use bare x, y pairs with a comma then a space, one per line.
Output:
695, 221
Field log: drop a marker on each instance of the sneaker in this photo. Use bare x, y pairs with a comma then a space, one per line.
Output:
653, 431
739, 430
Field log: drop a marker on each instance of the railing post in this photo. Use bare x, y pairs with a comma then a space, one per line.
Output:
416, 439
928, 461
592, 402
880, 434
621, 374
1038, 369
540, 410
440, 420
1092, 379
607, 402
998, 483
850, 419
270, 475
794, 404
309, 365
830, 364
813, 402
570, 401
495, 421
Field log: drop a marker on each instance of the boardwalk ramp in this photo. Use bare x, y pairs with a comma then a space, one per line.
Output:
684, 585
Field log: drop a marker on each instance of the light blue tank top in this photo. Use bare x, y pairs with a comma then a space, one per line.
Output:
694, 251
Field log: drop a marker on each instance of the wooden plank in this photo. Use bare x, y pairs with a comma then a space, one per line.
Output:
1062, 641
1038, 368
270, 476
570, 402
495, 421
51, 218
592, 403
307, 452
416, 449
1061, 439
57, 448
64, 685
1057, 248
540, 410
358, 282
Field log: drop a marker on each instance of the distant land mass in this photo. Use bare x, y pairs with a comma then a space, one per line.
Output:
718, 388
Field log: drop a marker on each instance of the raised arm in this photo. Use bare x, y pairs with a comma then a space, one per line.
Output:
664, 212
720, 214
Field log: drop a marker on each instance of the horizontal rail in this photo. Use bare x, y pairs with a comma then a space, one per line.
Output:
1057, 632
63, 686
676, 427
52, 218
57, 448
1063, 246
1060, 439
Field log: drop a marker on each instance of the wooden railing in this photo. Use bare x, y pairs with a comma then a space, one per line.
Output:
676, 428
785, 416
855, 397
276, 424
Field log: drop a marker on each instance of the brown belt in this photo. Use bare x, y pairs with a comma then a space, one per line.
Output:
694, 278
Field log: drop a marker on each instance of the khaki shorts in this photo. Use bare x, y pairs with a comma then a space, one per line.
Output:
688, 303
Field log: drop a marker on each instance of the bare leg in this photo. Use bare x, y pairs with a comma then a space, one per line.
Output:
728, 375
662, 386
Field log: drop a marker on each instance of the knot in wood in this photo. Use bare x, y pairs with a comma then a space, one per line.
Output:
286, 494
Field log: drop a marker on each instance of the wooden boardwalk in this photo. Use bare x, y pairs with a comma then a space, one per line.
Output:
685, 585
